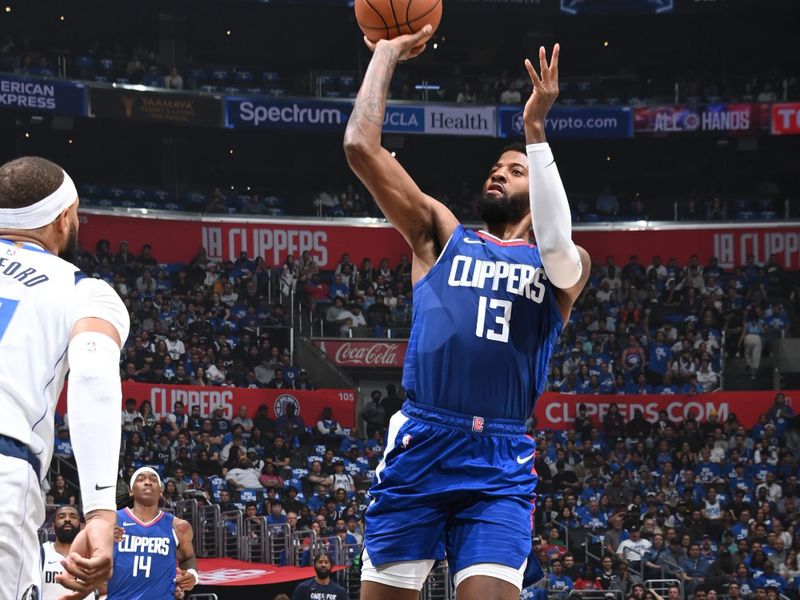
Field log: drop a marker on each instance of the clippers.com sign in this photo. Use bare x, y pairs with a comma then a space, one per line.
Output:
558, 411
370, 354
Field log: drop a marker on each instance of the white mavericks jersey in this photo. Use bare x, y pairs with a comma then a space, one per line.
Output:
51, 566
41, 298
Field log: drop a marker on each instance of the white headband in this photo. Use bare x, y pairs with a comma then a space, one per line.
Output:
42, 212
141, 470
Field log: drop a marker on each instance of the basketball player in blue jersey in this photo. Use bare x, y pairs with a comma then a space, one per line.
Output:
457, 477
151, 543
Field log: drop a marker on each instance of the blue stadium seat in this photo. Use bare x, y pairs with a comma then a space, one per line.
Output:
767, 215
219, 75
320, 448
742, 204
106, 64
244, 77
269, 77
745, 215
84, 62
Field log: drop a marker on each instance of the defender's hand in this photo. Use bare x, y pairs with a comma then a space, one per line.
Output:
184, 580
406, 46
545, 90
91, 561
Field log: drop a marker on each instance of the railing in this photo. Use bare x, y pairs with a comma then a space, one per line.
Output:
596, 594
438, 585
207, 533
661, 586
279, 545
231, 533
255, 543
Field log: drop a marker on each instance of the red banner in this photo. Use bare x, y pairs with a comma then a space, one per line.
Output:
308, 405
733, 119
178, 240
558, 411
227, 571
357, 353
786, 119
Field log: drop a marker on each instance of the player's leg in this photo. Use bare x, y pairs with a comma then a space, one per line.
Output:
407, 515
400, 580
487, 588
489, 548
23, 513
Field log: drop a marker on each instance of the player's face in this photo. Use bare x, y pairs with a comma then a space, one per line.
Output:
505, 191
323, 567
146, 489
66, 524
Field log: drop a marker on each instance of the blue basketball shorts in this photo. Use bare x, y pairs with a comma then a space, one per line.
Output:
452, 486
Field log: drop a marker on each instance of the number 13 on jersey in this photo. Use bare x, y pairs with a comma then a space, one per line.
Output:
502, 319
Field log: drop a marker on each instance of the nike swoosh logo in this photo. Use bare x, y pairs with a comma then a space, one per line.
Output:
523, 459
105, 487
52, 562
469, 241
126, 524
552, 162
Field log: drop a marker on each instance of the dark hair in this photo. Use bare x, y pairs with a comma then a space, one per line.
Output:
27, 180
322, 554
515, 147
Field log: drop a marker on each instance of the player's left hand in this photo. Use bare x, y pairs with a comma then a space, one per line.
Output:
545, 89
91, 560
184, 580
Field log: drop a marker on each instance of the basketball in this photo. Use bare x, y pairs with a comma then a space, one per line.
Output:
386, 19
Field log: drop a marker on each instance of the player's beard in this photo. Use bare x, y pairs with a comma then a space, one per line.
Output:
70, 251
66, 536
322, 572
504, 209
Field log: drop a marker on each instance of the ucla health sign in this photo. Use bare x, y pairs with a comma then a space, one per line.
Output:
42, 95
571, 123
460, 119
310, 115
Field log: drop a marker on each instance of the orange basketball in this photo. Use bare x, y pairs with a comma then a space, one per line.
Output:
386, 19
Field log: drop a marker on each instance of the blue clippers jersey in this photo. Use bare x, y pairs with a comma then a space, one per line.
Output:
485, 323
144, 561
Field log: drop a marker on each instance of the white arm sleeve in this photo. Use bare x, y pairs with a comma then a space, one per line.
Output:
94, 394
552, 222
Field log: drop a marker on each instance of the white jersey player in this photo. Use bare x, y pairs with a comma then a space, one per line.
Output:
66, 525
53, 319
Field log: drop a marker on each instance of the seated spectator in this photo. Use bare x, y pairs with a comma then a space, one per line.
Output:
328, 430
174, 80
270, 478
243, 476
340, 480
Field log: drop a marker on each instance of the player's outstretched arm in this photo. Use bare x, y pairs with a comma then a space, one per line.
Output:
425, 223
186, 574
564, 263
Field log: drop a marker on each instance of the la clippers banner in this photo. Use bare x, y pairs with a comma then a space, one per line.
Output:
254, 112
42, 95
558, 411
786, 119
728, 119
307, 404
370, 354
571, 123
178, 240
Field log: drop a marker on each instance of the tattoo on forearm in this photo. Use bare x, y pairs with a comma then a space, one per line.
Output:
370, 105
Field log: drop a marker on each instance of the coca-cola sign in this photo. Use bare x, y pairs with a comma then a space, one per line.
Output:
364, 353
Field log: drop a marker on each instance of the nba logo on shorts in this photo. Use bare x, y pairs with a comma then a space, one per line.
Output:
477, 424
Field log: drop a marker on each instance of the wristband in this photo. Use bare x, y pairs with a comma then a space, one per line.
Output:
194, 574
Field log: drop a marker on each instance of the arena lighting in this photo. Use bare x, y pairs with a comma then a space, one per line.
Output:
69, 141
435, 46
230, 151
227, 32
605, 44
394, 153
27, 135
61, 18
8, 9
